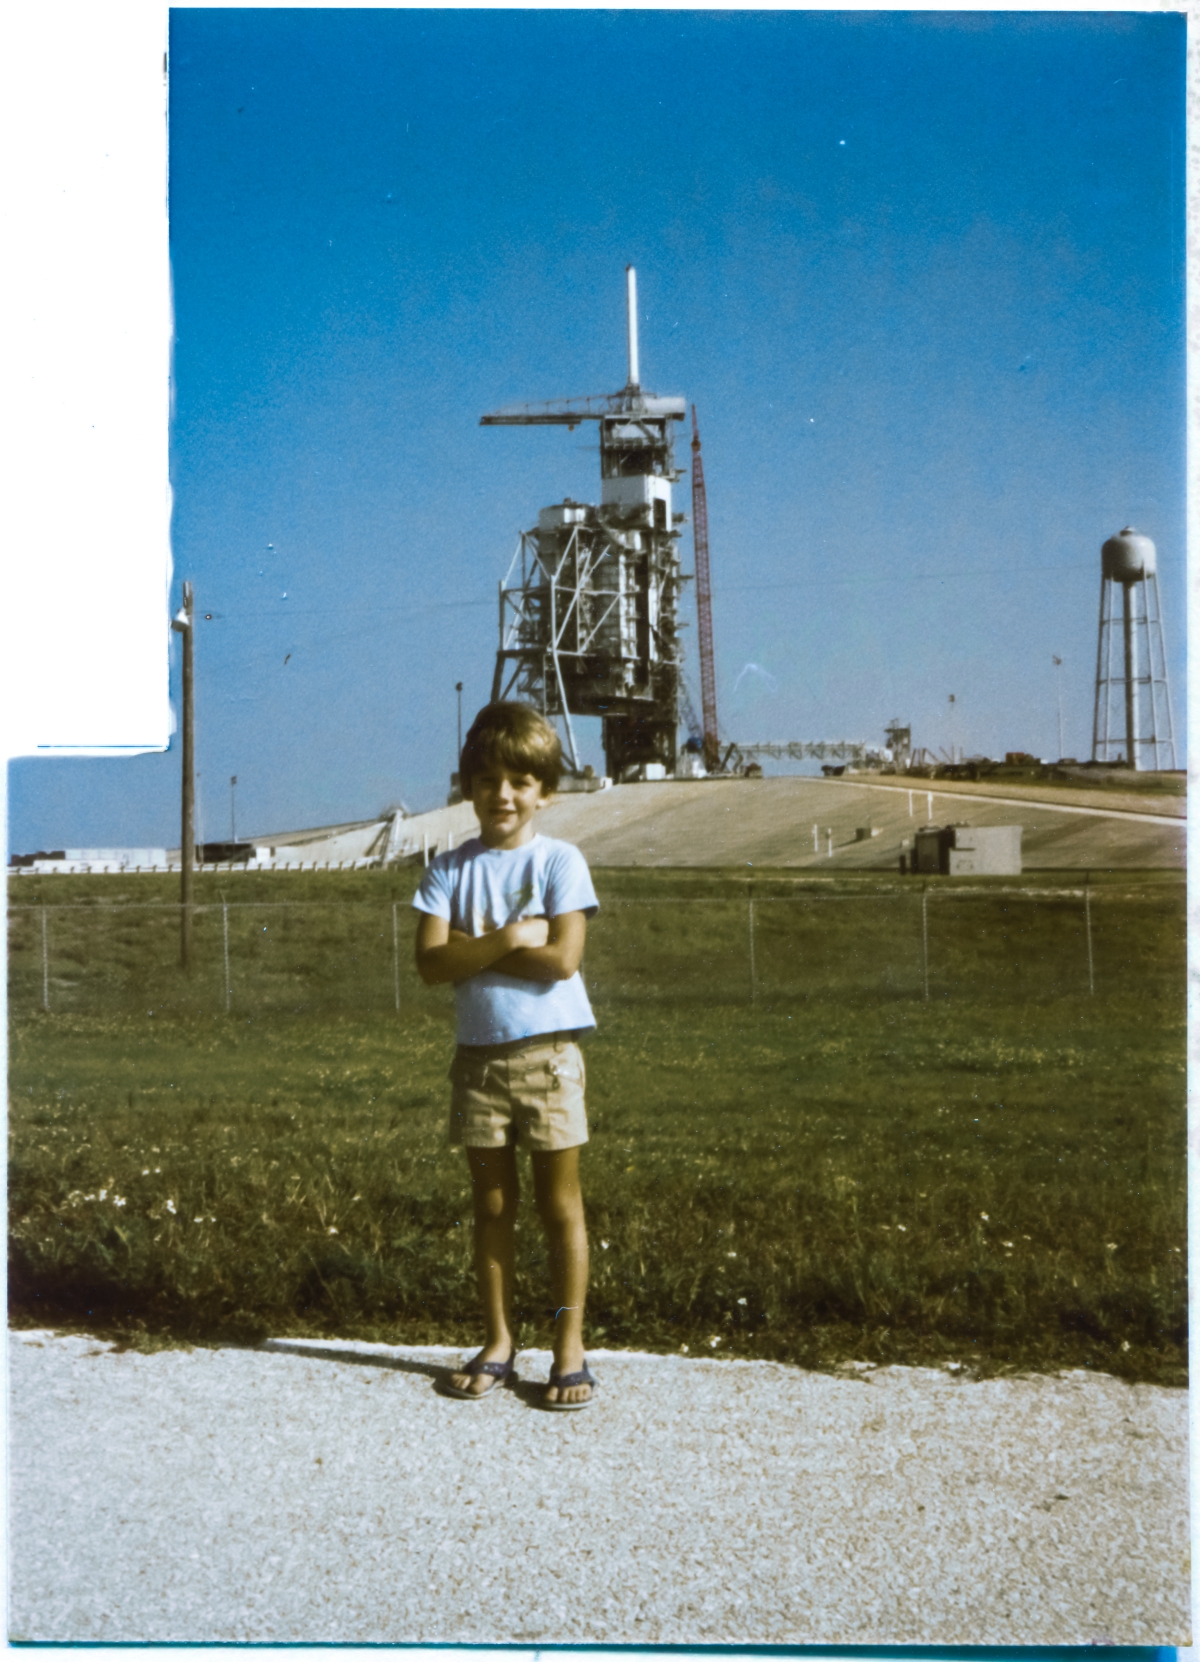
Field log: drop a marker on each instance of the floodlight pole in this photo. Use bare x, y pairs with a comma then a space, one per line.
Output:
1058, 664
182, 622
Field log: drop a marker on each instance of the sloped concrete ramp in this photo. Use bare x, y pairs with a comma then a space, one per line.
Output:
326, 1493
770, 822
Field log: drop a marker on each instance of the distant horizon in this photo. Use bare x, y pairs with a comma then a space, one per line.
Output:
921, 273
95, 852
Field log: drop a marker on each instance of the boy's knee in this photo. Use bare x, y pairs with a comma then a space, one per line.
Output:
495, 1202
560, 1211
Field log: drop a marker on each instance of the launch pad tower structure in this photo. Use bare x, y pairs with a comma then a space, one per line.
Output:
589, 607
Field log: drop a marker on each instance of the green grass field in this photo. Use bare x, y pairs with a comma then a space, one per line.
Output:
819, 1165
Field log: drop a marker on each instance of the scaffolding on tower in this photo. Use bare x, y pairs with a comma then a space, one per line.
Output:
589, 608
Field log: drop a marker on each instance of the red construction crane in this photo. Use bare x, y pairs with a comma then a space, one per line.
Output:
708, 679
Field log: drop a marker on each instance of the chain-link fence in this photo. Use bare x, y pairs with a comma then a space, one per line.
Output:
258, 957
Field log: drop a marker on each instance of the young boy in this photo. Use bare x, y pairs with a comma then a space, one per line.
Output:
504, 918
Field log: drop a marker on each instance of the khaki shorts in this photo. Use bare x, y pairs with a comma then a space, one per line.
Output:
528, 1093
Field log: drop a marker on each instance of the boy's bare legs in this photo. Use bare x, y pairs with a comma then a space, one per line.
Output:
559, 1202
495, 1192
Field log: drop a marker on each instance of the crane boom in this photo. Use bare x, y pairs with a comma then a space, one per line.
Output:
569, 412
708, 679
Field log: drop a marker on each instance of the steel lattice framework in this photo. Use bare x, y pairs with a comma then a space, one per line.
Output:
572, 621
589, 608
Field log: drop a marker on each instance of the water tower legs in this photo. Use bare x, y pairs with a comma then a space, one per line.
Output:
1162, 724
1131, 676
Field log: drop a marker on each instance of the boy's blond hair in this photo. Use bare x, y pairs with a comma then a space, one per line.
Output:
514, 736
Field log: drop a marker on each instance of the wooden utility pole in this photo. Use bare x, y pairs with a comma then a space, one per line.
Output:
183, 621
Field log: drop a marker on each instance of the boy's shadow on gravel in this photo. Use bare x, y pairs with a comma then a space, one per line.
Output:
527, 1391
437, 1371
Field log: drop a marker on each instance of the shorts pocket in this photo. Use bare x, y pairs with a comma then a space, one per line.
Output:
567, 1068
554, 1075
468, 1073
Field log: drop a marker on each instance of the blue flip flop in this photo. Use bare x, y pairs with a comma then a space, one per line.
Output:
561, 1380
502, 1372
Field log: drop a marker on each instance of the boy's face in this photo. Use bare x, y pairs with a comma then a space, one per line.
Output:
506, 799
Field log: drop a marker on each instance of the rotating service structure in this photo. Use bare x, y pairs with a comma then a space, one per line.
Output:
1132, 712
589, 608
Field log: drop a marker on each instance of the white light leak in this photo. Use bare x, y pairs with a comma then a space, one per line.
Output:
755, 669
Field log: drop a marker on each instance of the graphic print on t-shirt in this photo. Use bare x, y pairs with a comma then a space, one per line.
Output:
514, 901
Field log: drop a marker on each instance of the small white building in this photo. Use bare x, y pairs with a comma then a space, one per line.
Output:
968, 850
986, 851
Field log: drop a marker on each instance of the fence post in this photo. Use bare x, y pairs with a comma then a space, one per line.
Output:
750, 916
396, 953
1087, 916
225, 932
45, 963
816, 841
929, 806
925, 937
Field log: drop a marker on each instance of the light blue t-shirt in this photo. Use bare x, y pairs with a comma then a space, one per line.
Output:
478, 889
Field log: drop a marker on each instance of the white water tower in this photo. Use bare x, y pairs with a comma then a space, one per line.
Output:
1132, 718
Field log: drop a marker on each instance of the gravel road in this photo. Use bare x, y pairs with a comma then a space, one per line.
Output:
326, 1492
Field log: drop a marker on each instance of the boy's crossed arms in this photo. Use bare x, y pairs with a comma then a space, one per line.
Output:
534, 949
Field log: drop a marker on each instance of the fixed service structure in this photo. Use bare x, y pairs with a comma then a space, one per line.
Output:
589, 609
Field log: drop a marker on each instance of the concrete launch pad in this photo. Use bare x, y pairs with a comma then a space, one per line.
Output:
769, 822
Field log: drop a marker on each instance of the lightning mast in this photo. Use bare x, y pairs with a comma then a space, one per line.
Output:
588, 610
708, 680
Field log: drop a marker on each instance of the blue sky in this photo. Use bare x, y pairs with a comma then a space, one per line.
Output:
922, 275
